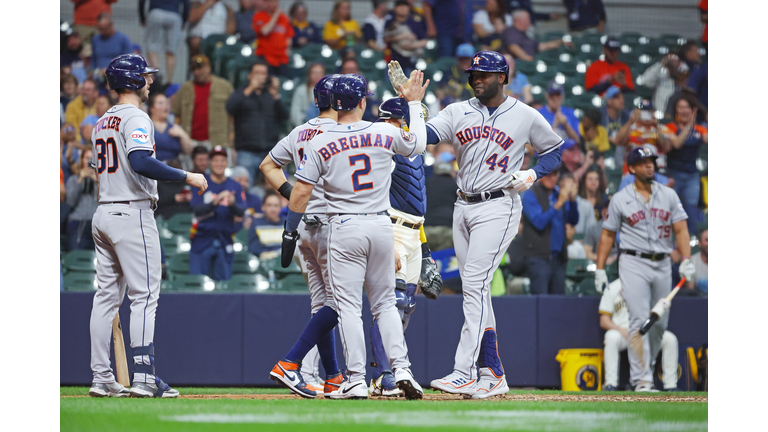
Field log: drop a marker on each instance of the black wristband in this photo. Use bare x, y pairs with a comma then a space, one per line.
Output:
285, 190
425, 252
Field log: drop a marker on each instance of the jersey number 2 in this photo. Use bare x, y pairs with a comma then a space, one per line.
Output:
502, 163
353, 160
102, 153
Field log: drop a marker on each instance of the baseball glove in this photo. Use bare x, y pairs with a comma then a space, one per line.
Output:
430, 281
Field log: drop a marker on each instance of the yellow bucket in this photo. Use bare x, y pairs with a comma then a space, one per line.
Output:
581, 369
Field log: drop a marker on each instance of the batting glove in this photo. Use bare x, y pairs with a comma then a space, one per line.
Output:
523, 180
288, 247
687, 270
601, 280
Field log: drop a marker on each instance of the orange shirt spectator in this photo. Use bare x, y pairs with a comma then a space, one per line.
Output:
86, 11
602, 74
273, 32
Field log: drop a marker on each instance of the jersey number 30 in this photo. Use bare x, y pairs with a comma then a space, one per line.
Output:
101, 155
353, 160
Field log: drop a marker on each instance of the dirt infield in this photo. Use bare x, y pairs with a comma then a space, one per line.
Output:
507, 397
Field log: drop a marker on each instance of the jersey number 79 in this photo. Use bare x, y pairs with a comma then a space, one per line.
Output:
104, 149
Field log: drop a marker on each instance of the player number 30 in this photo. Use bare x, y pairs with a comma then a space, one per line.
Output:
104, 149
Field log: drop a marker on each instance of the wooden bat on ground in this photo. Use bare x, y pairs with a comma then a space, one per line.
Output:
121, 362
659, 309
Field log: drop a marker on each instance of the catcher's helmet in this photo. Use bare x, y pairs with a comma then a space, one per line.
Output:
348, 91
639, 153
395, 108
124, 72
323, 90
489, 61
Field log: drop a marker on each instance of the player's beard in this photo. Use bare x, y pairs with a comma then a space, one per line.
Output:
144, 94
488, 93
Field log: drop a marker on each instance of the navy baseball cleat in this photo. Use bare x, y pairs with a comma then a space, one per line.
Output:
288, 373
610, 388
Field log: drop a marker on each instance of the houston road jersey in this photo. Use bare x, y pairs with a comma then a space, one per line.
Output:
489, 148
612, 304
355, 160
121, 130
292, 148
645, 226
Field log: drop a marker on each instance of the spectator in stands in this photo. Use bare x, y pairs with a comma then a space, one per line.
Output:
686, 136
68, 88
73, 58
371, 114
690, 55
200, 160
574, 248
274, 32
173, 197
703, 12
592, 237
199, 105
665, 77
162, 30
594, 135
445, 22
86, 129
562, 118
592, 189
341, 31
441, 188
573, 160
258, 115
265, 235
244, 20
518, 87
303, 103
68, 145
83, 105
252, 201
547, 207
602, 74
304, 32
206, 18
698, 83
455, 80
170, 139
213, 225
108, 44
405, 37
516, 41
514, 5
700, 262
82, 199
615, 119
489, 23
373, 27
86, 18
585, 14
102, 105
644, 129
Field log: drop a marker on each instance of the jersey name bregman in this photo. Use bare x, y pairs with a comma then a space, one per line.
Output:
477, 132
352, 142
655, 212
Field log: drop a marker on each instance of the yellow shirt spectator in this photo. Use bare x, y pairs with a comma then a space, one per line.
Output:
600, 140
335, 35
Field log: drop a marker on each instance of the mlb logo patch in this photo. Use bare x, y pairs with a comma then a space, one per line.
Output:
140, 136
303, 163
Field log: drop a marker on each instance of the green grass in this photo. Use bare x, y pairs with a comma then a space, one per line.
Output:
86, 414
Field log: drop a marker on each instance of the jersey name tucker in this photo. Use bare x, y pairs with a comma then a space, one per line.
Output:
475, 133
655, 212
111, 122
352, 142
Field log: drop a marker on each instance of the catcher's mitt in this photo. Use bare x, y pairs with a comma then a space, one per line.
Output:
430, 281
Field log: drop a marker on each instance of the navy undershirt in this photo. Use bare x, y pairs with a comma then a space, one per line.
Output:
143, 163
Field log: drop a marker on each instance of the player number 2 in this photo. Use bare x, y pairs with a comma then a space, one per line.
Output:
353, 160
502, 163
102, 153
664, 231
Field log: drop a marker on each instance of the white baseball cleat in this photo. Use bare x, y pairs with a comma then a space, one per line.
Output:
407, 383
643, 386
157, 389
351, 390
113, 389
454, 383
489, 384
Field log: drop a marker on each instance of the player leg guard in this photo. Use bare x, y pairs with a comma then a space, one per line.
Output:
322, 322
405, 300
144, 364
381, 361
489, 353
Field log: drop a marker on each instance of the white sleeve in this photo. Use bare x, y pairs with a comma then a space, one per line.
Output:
676, 206
281, 153
442, 124
138, 134
613, 223
310, 169
542, 137
417, 126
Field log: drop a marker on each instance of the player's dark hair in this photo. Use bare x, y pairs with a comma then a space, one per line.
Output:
685, 48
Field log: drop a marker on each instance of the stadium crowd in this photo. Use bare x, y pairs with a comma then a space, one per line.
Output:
208, 124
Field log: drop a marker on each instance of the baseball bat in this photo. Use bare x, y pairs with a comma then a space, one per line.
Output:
654, 316
121, 363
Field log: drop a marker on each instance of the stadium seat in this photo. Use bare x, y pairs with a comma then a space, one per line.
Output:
212, 43
180, 223
80, 261
238, 69
589, 38
551, 57
177, 265
526, 67
224, 54
80, 282
552, 35
310, 52
577, 269
644, 92
245, 263
291, 283
292, 269
244, 283
629, 100
584, 287
190, 283
630, 38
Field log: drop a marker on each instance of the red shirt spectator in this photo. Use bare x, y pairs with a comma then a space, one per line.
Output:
200, 112
703, 12
602, 74
87, 11
274, 32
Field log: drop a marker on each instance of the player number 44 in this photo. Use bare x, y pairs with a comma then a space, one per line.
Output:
502, 163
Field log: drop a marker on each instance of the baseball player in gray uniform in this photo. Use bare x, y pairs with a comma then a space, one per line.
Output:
354, 160
124, 230
489, 133
646, 213
313, 244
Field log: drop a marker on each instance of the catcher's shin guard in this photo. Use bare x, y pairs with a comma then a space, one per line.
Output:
381, 361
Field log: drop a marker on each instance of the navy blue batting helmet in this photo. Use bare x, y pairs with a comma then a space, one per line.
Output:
395, 108
348, 91
323, 91
489, 61
639, 153
124, 72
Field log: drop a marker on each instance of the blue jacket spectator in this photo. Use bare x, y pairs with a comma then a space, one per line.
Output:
562, 118
698, 81
252, 201
445, 21
585, 14
170, 139
244, 21
266, 233
108, 44
304, 32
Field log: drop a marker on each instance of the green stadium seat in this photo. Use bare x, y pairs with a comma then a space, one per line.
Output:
551, 57
238, 69
577, 269
180, 223
244, 283
612, 271
630, 38
570, 69
552, 35
177, 265
190, 283
212, 43
583, 287
76, 281
526, 67
80, 260
227, 52
245, 263
292, 269
269, 265
629, 100
644, 92
590, 38
671, 39
291, 283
